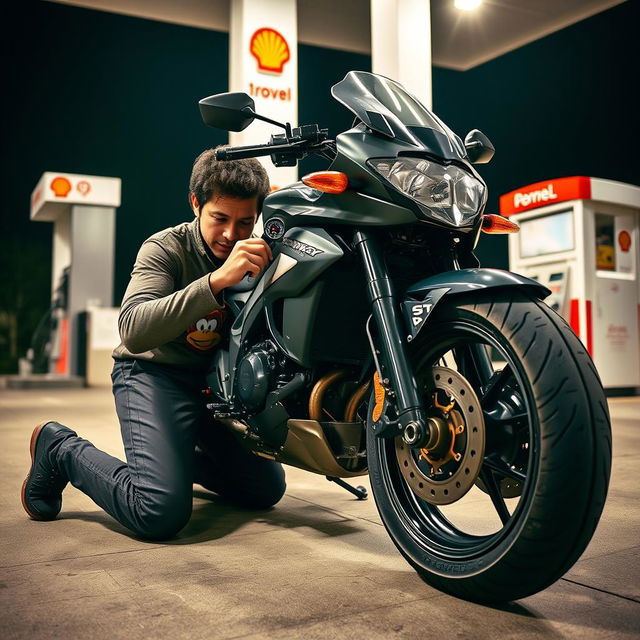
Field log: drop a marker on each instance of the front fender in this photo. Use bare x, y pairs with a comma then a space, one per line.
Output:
422, 297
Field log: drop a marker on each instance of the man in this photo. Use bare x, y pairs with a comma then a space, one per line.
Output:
171, 320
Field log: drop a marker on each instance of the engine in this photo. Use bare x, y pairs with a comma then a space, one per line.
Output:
257, 375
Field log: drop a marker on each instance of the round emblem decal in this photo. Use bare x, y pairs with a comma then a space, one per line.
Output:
274, 228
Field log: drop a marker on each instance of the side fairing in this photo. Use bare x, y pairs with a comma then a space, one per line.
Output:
301, 256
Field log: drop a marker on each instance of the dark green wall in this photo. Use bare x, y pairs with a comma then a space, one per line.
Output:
91, 92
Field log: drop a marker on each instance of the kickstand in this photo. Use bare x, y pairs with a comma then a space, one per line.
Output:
360, 492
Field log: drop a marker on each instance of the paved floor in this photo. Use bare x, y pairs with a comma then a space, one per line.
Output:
319, 565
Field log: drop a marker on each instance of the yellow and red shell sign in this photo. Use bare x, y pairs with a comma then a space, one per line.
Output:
204, 334
270, 49
60, 187
624, 240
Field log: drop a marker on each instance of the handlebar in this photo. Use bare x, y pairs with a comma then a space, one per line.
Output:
285, 149
251, 151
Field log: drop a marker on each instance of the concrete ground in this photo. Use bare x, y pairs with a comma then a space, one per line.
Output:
319, 565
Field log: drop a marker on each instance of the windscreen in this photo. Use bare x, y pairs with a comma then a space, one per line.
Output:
384, 106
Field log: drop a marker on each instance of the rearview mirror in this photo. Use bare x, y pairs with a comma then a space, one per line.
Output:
228, 111
479, 147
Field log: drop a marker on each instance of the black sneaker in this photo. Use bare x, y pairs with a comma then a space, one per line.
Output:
42, 488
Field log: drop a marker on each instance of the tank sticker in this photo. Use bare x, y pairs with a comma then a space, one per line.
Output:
274, 228
301, 247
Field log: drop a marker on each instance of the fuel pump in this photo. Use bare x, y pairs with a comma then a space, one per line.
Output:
579, 237
83, 211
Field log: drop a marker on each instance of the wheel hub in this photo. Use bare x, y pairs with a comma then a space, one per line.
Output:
444, 470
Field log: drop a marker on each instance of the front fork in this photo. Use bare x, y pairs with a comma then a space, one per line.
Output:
397, 375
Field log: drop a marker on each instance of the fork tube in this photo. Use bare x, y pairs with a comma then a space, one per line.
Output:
389, 322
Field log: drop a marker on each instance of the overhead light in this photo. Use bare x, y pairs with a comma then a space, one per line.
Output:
466, 5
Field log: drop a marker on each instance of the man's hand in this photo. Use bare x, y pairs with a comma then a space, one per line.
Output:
247, 256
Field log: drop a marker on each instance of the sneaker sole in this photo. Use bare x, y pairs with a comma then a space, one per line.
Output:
32, 449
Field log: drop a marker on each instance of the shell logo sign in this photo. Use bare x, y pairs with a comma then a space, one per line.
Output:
36, 196
56, 189
624, 240
270, 49
60, 187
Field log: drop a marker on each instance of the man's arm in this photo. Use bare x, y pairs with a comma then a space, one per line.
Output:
153, 312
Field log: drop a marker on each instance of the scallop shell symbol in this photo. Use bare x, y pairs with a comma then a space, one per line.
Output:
60, 187
624, 240
270, 49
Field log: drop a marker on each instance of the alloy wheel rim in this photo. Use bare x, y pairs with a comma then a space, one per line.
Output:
426, 524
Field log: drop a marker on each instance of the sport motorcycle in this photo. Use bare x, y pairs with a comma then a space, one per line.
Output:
374, 343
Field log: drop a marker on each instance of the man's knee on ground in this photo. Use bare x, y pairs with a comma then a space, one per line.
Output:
161, 520
265, 496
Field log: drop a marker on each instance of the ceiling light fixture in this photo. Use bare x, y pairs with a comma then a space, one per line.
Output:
466, 5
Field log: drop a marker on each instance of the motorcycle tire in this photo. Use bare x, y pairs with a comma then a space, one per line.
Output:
547, 436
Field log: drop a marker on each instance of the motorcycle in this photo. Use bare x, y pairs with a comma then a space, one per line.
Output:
374, 343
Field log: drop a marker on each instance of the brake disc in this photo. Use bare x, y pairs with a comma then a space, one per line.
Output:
448, 470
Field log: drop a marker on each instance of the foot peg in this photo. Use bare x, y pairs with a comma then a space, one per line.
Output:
360, 492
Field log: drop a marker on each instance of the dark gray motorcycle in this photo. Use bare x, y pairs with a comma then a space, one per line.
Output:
374, 343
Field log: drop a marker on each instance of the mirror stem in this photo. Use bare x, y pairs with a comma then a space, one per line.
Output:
286, 127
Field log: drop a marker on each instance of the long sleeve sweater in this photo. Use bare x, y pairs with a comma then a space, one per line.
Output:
169, 313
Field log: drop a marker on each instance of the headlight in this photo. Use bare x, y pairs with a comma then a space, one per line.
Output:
451, 194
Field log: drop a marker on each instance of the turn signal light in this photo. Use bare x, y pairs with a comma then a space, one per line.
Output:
492, 223
327, 181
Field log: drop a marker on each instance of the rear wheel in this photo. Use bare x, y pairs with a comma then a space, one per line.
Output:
511, 495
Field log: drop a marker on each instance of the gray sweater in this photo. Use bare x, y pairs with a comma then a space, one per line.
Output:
169, 313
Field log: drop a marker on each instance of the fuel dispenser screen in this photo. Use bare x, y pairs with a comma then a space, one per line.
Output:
547, 234
614, 242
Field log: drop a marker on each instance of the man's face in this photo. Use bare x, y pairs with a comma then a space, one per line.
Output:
224, 221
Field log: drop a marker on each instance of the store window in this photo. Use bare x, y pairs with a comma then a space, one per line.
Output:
615, 248
605, 249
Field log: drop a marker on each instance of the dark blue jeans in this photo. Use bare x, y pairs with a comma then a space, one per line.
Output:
170, 442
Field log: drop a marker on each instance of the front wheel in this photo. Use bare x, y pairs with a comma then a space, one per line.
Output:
509, 498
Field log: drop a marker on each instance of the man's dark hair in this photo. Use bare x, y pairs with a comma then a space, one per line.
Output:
242, 179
